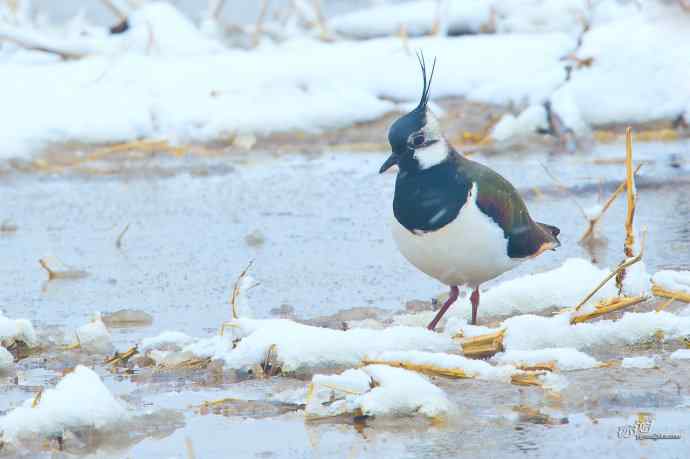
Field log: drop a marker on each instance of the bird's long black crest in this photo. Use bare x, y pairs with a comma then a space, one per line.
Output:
427, 84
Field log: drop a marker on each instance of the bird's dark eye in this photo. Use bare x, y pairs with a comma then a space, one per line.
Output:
418, 140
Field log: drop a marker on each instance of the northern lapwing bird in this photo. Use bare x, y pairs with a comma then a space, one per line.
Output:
456, 220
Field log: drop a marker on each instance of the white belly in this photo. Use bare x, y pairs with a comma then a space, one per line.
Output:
468, 251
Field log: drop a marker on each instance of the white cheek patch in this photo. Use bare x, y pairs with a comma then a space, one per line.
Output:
435, 153
432, 155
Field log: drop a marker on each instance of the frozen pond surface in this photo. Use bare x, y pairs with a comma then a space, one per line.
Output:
324, 222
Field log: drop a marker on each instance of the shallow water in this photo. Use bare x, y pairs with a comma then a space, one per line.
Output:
326, 247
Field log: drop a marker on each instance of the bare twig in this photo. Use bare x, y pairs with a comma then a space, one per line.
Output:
563, 188
593, 222
118, 242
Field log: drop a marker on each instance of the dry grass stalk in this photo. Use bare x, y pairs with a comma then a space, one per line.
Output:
120, 359
189, 364
190, 448
527, 379
37, 398
539, 367
217, 9
258, 28
115, 10
609, 364
404, 38
118, 242
624, 264
593, 222
483, 346
321, 20
237, 290
631, 193
56, 273
606, 306
426, 369
673, 295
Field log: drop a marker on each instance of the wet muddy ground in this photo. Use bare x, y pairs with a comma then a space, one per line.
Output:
316, 225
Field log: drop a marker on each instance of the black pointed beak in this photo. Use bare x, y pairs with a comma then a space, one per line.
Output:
392, 159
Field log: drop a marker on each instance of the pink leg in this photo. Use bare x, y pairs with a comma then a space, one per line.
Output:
474, 298
454, 292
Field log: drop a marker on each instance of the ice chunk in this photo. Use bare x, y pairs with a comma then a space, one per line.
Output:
95, 337
525, 124
377, 390
6, 360
79, 401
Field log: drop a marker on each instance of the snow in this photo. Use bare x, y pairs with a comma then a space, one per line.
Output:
675, 281
301, 346
681, 354
165, 339
6, 360
133, 89
397, 392
639, 362
651, 69
525, 124
417, 17
538, 16
94, 337
167, 78
564, 358
531, 332
79, 401
17, 329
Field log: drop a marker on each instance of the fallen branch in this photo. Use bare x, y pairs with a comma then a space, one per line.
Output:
118, 242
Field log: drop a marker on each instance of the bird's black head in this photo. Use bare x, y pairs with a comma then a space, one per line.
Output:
415, 138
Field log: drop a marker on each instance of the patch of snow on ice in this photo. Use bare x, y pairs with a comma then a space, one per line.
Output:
17, 329
396, 392
302, 346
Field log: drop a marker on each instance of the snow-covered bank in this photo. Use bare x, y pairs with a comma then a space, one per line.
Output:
166, 78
